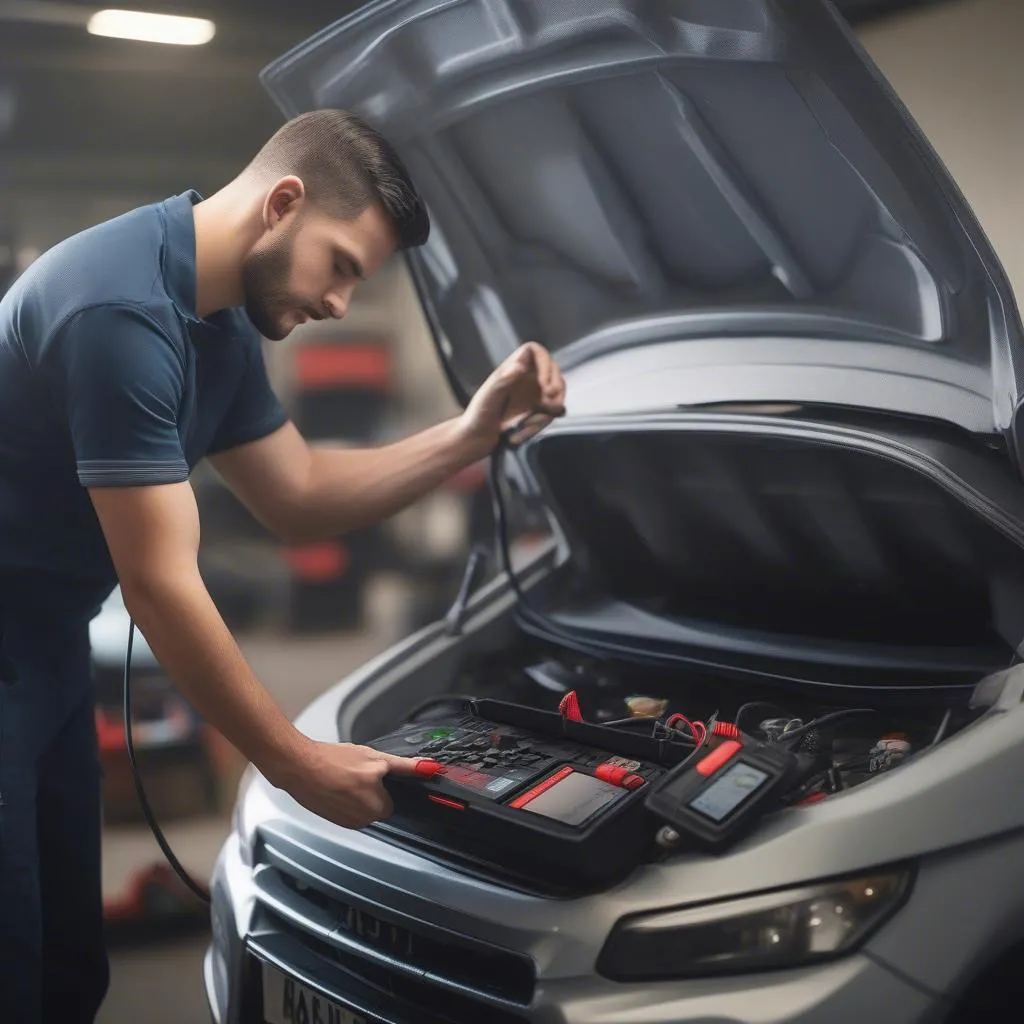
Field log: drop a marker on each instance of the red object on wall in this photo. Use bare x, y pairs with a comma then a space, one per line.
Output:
331, 366
316, 563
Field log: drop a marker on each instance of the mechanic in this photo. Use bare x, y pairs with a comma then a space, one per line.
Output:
128, 352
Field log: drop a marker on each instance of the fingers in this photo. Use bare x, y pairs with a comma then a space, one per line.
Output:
367, 813
403, 765
546, 368
533, 426
554, 394
521, 362
344, 783
552, 386
378, 804
524, 395
550, 382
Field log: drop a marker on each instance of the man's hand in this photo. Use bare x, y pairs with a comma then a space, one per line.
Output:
528, 381
344, 783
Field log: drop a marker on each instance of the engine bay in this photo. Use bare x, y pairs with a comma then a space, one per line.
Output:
803, 748
855, 740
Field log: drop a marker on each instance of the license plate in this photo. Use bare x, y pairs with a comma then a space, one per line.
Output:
285, 1001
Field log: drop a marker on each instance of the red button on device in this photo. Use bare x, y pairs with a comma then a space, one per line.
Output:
710, 764
456, 805
611, 773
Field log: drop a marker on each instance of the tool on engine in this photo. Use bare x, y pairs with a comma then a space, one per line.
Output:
715, 800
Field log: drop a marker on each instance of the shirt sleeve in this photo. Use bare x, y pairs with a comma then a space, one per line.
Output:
255, 411
120, 379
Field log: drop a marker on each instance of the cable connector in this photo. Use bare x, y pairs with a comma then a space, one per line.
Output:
727, 729
697, 729
569, 706
709, 729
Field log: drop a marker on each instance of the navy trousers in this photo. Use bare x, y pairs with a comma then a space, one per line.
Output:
53, 962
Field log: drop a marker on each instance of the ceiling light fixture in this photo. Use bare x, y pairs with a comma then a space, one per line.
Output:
144, 27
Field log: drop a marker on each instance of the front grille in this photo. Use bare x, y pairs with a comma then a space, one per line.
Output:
371, 985
495, 972
457, 978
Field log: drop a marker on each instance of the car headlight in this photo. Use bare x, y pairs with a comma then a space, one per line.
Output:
787, 928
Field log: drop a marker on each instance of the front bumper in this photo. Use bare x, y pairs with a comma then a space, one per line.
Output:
257, 918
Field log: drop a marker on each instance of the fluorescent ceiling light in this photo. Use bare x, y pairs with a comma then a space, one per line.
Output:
152, 28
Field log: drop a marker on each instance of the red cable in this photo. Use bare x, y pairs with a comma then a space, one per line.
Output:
569, 706
697, 729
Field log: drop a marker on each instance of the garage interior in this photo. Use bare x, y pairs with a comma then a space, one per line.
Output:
91, 127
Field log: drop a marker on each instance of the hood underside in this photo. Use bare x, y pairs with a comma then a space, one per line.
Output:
605, 173
787, 546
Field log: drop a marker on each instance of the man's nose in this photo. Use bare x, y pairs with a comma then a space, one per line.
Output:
336, 303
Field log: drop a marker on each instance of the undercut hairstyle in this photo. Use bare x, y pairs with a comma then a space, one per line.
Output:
346, 167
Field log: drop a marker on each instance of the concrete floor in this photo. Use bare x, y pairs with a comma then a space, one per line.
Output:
160, 983
160, 980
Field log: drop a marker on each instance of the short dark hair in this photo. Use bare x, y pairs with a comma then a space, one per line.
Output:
346, 167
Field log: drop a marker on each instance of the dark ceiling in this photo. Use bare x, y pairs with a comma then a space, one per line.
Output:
106, 117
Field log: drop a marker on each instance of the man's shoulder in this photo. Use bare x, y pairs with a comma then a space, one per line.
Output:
111, 266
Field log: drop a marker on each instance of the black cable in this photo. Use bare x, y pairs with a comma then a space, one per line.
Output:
501, 524
756, 704
658, 728
943, 726
679, 768
632, 720
818, 722
536, 622
201, 893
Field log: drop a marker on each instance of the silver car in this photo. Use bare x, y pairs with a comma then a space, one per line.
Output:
790, 476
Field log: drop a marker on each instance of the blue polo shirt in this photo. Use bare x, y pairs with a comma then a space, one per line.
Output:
107, 379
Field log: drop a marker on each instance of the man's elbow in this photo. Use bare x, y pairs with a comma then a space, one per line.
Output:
149, 590
285, 521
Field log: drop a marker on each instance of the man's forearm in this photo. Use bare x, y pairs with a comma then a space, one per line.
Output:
351, 488
190, 640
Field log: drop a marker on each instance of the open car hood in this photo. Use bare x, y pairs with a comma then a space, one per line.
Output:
849, 551
607, 174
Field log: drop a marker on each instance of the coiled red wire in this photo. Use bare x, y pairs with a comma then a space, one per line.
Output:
699, 730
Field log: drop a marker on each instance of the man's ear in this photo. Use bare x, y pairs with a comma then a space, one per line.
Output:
285, 199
